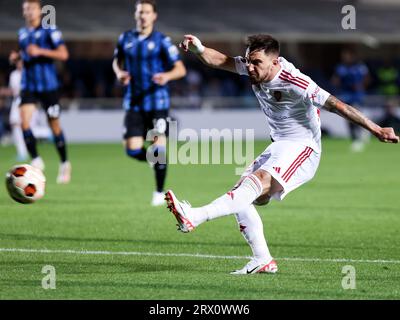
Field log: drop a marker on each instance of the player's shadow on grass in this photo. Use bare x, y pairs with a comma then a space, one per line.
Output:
158, 243
82, 267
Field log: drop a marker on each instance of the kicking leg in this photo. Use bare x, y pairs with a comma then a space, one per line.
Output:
256, 185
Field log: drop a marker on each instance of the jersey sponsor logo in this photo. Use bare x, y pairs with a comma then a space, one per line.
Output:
275, 115
278, 95
151, 45
38, 34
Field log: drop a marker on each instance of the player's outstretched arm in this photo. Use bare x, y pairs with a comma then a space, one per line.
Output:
208, 56
333, 104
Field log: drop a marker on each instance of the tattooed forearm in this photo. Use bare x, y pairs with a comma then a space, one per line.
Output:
348, 112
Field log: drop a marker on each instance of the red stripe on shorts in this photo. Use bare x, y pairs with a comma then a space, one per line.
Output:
297, 163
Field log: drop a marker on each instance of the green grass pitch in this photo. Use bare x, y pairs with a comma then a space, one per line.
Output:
349, 214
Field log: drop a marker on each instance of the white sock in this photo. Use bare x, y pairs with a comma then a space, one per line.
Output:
19, 142
251, 227
236, 200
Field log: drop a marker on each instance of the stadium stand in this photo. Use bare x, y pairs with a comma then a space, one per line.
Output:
306, 19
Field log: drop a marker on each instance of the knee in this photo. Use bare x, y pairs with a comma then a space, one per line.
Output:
265, 179
55, 126
25, 125
262, 200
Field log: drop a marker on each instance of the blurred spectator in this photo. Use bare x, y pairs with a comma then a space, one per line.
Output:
2, 122
94, 78
213, 89
13, 90
3, 105
351, 78
391, 118
388, 79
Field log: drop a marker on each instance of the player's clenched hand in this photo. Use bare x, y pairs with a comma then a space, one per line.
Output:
160, 79
33, 50
387, 135
124, 77
192, 44
14, 56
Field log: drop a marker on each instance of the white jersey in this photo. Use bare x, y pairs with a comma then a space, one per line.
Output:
291, 103
15, 82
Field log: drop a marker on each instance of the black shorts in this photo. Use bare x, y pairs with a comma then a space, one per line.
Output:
49, 100
138, 123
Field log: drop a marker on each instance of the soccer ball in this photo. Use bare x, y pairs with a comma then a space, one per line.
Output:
25, 184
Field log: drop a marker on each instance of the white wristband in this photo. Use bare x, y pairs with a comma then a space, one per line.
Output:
199, 48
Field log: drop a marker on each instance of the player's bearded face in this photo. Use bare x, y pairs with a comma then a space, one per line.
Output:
31, 11
259, 66
145, 15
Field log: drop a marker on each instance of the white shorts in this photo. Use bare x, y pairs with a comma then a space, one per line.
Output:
15, 118
290, 163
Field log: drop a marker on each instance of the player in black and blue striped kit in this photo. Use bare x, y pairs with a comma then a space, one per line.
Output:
39, 47
352, 78
145, 60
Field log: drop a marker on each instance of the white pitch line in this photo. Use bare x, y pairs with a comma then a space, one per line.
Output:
205, 256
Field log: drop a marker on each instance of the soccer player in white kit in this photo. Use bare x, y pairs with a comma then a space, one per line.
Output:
291, 102
15, 118
41, 131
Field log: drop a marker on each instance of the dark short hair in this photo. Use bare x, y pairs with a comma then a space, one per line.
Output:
33, 1
263, 42
150, 2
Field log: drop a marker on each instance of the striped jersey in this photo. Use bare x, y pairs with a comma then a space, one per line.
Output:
39, 73
291, 102
143, 58
352, 79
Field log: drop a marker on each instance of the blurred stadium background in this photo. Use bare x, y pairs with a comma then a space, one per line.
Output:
348, 214
310, 32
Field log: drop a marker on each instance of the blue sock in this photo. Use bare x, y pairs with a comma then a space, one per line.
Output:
30, 142
138, 154
61, 146
160, 167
